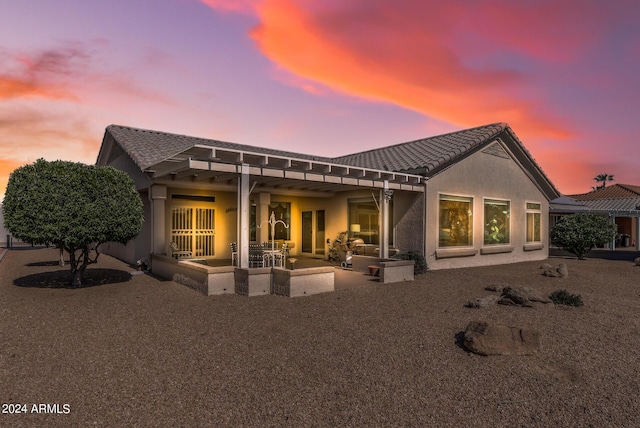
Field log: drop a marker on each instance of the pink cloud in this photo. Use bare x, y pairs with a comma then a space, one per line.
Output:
44, 74
241, 6
359, 50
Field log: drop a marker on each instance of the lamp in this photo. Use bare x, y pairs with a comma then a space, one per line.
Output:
355, 228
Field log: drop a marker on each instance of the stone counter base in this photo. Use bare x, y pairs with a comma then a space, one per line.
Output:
303, 282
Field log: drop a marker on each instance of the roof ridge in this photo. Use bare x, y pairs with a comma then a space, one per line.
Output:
501, 125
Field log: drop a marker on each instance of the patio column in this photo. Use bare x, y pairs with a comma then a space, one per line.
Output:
264, 199
385, 197
637, 237
244, 210
158, 196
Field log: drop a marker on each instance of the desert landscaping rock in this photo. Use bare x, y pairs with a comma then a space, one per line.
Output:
636, 261
482, 302
521, 296
485, 338
560, 272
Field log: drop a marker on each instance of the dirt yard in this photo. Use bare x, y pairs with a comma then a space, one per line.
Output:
133, 350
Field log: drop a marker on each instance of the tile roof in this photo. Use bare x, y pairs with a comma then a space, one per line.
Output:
610, 192
426, 154
614, 204
424, 157
148, 148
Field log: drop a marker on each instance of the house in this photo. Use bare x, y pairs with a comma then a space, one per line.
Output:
620, 202
468, 198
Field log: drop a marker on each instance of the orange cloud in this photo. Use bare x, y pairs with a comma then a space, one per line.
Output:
398, 55
45, 74
7, 167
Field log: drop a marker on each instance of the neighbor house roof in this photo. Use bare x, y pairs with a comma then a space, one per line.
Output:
611, 192
619, 199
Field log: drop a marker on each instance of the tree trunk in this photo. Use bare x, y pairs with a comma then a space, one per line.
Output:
61, 256
76, 278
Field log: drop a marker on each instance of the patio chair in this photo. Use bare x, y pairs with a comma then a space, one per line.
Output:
234, 253
256, 255
177, 253
284, 251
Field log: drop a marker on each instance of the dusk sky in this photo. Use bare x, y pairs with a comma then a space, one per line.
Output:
325, 77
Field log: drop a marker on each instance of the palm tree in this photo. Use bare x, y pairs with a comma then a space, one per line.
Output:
602, 178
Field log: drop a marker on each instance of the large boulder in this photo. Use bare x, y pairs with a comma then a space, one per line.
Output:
483, 338
637, 261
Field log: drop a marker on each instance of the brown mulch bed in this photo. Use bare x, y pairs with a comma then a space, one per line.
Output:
134, 350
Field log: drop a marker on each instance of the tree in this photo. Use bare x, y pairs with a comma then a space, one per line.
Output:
580, 233
74, 206
602, 178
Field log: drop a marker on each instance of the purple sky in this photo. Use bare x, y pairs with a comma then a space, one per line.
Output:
326, 77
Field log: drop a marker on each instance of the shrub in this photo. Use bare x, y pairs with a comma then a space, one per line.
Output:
580, 233
562, 297
74, 206
420, 265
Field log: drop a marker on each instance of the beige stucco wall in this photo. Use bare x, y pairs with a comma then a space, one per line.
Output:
483, 175
225, 206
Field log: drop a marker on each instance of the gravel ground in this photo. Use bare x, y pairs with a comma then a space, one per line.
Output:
133, 350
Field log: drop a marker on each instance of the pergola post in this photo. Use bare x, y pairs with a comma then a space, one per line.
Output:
158, 230
385, 197
244, 210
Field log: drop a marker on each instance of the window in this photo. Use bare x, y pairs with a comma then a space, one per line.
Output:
456, 221
193, 230
282, 211
364, 220
497, 215
533, 222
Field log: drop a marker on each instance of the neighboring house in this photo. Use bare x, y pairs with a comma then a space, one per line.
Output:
468, 198
620, 202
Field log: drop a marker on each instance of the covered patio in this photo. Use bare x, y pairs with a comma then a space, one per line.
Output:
208, 203
320, 190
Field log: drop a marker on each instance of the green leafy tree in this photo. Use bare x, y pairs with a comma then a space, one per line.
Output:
580, 233
74, 206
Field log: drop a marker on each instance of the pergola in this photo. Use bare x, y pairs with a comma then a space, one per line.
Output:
215, 167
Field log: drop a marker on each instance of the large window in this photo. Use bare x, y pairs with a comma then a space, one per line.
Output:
497, 215
282, 211
533, 222
456, 221
364, 220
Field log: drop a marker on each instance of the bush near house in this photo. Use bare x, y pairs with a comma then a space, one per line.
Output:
420, 265
74, 206
580, 233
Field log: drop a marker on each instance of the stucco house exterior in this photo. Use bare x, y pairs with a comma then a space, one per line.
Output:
467, 198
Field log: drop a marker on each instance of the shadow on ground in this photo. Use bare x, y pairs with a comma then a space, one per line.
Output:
62, 278
49, 263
